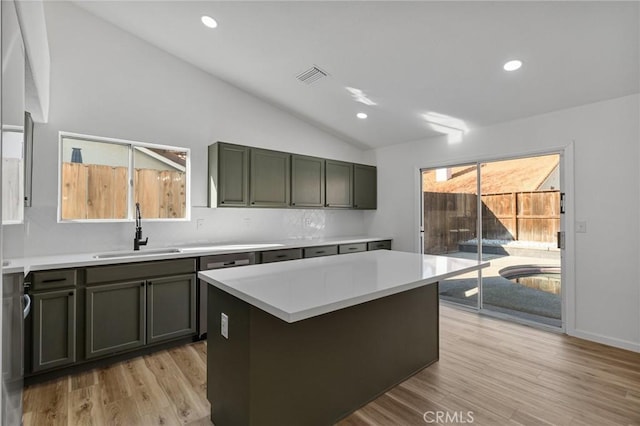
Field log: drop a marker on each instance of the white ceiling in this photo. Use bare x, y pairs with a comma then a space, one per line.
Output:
410, 58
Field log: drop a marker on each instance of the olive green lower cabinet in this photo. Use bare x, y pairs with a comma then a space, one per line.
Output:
147, 309
54, 329
51, 327
115, 318
171, 308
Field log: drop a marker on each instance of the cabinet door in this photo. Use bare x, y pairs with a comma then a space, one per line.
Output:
54, 329
307, 181
365, 189
171, 307
229, 175
114, 318
269, 178
338, 184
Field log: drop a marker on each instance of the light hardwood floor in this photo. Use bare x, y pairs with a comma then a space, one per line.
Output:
490, 372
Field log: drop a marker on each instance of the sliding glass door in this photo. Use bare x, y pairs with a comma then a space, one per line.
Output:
514, 206
450, 225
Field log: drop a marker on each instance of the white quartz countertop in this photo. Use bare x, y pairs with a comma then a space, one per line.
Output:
75, 260
299, 289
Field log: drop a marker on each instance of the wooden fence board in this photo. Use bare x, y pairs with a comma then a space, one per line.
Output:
74, 191
120, 180
97, 192
526, 216
147, 188
12, 189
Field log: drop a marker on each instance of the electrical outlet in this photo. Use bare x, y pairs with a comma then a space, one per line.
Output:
199, 223
581, 227
307, 222
224, 325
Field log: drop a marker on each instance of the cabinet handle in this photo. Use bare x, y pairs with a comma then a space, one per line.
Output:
54, 280
355, 205
280, 256
293, 204
141, 284
150, 283
221, 202
70, 293
253, 202
320, 252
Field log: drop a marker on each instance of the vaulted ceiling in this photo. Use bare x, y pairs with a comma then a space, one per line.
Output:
425, 67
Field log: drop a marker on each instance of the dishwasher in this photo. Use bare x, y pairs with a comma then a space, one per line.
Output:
218, 261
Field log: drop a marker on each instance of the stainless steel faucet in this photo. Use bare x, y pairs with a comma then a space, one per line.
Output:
137, 240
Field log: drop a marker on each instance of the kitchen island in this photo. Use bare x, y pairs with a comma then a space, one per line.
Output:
306, 342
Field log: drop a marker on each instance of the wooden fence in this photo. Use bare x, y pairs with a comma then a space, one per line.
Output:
91, 191
450, 218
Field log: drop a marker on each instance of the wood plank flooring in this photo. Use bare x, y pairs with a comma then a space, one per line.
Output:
490, 372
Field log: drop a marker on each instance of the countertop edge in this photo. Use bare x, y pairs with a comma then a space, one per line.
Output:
291, 317
76, 260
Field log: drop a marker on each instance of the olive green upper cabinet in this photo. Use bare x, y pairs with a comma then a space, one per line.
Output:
365, 187
228, 175
270, 177
338, 184
307, 181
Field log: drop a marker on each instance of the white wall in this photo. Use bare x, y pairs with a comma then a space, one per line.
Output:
606, 138
105, 82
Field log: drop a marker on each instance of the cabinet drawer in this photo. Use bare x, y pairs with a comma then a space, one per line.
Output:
379, 245
49, 280
320, 251
140, 270
280, 255
219, 261
352, 248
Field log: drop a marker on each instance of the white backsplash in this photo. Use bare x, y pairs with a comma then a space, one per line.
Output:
42, 235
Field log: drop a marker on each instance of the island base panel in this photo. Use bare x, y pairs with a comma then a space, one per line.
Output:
319, 370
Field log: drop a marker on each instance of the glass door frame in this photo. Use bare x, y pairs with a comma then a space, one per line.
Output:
567, 220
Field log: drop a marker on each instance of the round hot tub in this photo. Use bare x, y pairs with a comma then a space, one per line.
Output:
539, 277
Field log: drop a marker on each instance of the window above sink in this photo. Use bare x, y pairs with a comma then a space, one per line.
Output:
101, 179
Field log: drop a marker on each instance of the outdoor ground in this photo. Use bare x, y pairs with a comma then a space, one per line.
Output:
503, 295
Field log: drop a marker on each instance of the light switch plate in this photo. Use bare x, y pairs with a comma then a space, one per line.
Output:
224, 325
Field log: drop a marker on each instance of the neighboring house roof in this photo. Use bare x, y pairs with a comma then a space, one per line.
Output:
524, 174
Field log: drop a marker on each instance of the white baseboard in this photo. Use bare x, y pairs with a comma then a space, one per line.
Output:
598, 338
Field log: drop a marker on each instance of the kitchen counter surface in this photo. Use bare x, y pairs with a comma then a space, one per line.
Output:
304, 288
36, 263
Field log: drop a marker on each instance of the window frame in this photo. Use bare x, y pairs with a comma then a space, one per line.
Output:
130, 188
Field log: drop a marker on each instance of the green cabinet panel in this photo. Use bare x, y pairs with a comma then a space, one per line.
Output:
115, 318
139, 270
269, 178
338, 184
379, 245
307, 181
171, 307
54, 329
365, 187
241, 176
228, 175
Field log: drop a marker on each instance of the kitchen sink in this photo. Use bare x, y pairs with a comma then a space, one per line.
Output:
140, 253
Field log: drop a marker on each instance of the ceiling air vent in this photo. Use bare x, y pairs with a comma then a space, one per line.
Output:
311, 75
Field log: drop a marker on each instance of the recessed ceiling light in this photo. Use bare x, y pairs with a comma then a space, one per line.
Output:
209, 21
512, 65
361, 115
